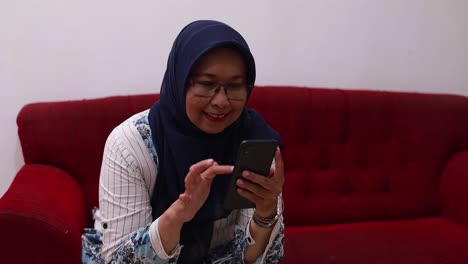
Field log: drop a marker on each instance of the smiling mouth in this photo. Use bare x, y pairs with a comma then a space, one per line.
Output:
216, 117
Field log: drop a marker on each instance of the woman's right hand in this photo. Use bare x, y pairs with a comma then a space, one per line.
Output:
197, 187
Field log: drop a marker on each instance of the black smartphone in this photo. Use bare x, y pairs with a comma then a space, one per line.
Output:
255, 156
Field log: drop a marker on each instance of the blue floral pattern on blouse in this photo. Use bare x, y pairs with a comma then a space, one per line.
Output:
142, 125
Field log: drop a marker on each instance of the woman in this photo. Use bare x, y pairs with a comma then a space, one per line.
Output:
165, 171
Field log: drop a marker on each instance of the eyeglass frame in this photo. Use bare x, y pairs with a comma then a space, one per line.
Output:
217, 88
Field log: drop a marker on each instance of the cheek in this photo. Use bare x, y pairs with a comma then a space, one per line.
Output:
237, 111
194, 109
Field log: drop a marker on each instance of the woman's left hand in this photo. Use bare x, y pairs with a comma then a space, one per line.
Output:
263, 191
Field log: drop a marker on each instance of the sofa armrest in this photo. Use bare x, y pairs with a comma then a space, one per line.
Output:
453, 189
42, 216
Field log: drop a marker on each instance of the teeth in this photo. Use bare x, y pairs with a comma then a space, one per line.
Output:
216, 116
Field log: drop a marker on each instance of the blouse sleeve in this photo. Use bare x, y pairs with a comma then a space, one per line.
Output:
124, 217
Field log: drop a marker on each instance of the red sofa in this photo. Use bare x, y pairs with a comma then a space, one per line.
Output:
371, 177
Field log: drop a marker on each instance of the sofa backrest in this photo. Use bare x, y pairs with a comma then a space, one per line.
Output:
349, 155
70, 135
363, 155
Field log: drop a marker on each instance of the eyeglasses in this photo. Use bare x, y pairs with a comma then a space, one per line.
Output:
234, 91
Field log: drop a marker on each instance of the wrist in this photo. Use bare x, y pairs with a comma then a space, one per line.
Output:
169, 227
267, 211
267, 217
174, 215
167, 221
265, 222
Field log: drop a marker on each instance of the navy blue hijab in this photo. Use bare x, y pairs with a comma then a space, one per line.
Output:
180, 144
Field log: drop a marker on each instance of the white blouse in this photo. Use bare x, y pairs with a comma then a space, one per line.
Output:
128, 175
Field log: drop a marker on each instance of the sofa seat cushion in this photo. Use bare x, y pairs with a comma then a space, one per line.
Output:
425, 240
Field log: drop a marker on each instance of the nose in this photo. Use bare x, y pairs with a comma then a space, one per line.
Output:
220, 98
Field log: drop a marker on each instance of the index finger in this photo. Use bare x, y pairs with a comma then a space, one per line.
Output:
214, 170
200, 166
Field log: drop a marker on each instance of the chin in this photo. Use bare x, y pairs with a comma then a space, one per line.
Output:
213, 131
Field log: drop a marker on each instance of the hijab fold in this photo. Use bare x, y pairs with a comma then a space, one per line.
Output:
180, 144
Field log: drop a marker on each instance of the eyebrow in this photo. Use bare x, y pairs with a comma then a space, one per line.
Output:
210, 75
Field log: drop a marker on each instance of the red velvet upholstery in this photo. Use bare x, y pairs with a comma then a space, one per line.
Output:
362, 155
71, 135
420, 241
371, 177
453, 185
42, 217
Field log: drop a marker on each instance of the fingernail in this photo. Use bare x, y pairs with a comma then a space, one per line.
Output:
245, 173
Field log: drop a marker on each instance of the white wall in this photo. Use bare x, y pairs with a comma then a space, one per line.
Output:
60, 50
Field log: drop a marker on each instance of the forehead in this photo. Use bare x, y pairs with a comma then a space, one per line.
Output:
221, 59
